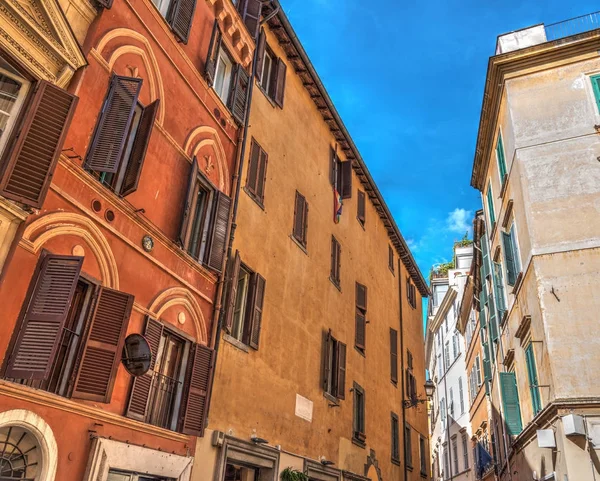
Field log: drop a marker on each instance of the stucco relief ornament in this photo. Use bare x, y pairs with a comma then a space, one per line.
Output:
133, 71
148, 243
210, 165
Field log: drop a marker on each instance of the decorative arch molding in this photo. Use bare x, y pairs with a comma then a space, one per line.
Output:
67, 223
33, 423
204, 136
157, 90
180, 296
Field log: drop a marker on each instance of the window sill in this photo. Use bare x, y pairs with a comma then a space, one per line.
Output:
331, 398
256, 200
361, 223
504, 186
303, 248
360, 351
409, 467
392, 270
395, 461
423, 475
359, 443
493, 232
236, 343
271, 101
336, 284
518, 283
394, 383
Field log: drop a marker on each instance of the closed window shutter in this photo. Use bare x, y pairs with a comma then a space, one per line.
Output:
262, 175
510, 401
361, 208
394, 355
234, 272
509, 259
189, 201
253, 167
239, 94
326, 368
596, 86
346, 187
335, 260
218, 238
181, 19
533, 380
485, 269
500, 157
493, 320
113, 125
251, 11
333, 166
299, 211
104, 345
261, 48
490, 202
31, 163
361, 330
280, 82
499, 290
361, 296
48, 303
198, 390
210, 66
138, 151
258, 298
141, 385
341, 371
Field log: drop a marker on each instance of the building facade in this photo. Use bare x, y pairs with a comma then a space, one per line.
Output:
451, 451
118, 155
322, 324
537, 170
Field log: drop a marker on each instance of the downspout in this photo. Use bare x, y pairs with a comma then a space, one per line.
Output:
402, 364
447, 408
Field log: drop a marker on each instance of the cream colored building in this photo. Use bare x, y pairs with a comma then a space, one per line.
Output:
537, 168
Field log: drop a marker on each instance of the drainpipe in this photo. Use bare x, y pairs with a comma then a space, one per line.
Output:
402, 365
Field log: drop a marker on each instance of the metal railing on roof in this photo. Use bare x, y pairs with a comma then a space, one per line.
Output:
573, 26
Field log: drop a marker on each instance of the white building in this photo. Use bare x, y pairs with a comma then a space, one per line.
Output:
451, 452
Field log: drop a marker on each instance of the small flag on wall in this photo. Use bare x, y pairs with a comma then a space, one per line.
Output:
337, 206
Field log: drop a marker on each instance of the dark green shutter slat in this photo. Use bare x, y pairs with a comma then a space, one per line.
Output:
493, 324
499, 291
596, 87
501, 158
510, 401
533, 380
490, 202
509, 259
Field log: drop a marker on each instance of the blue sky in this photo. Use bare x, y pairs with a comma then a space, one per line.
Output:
407, 78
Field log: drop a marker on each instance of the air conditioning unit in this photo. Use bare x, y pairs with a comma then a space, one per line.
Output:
545, 438
573, 425
218, 438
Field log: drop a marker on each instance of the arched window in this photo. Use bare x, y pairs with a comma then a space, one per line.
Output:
20, 454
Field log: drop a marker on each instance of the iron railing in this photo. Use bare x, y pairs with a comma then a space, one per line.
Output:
573, 26
161, 403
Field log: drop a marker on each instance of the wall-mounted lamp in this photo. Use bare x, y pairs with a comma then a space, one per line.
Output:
429, 390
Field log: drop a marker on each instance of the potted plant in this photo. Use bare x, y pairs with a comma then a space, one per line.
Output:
291, 474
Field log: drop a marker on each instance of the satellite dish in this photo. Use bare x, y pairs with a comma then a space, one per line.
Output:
136, 355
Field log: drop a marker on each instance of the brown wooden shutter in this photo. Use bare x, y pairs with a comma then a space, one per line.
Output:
334, 259
361, 207
138, 151
341, 371
394, 355
262, 175
218, 236
234, 272
239, 94
333, 166
104, 3
361, 330
361, 296
280, 82
113, 125
346, 187
198, 389
299, 210
51, 293
189, 201
326, 357
305, 224
391, 258
251, 11
181, 18
261, 48
210, 67
258, 299
141, 385
32, 161
253, 165
103, 346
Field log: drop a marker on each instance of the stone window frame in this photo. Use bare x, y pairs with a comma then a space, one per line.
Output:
315, 470
249, 454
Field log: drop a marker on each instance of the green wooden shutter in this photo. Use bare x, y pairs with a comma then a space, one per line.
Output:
485, 260
596, 86
500, 158
499, 291
490, 202
510, 401
533, 380
493, 320
509, 259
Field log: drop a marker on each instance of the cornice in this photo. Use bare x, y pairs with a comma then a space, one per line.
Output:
235, 32
503, 66
444, 308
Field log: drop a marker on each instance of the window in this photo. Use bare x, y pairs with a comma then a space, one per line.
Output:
461, 395
21, 457
394, 355
447, 355
340, 175
451, 403
179, 15
391, 258
439, 294
455, 454
163, 6
334, 367
257, 173
443, 411
205, 221
250, 11
411, 293
499, 290
360, 337
595, 79
423, 455
245, 302
361, 213
51, 349
13, 91
116, 153
223, 75
510, 401
124, 476
490, 205
409, 359
511, 255
336, 254
478, 371
300, 228
465, 447
395, 439
271, 73
407, 446
411, 382
238, 472
440, 367
446, 463
500, 158
534, 389
455, 345
358, 434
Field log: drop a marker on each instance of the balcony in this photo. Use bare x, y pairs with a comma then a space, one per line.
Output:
541, 33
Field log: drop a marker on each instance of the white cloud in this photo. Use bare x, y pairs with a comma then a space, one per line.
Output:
459, 220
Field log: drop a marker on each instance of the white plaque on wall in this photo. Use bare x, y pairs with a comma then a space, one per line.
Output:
304, 408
